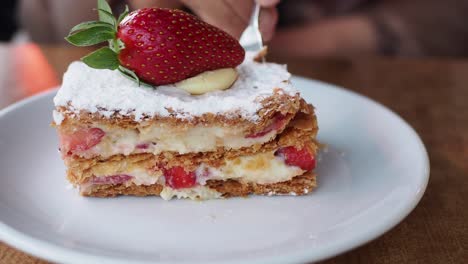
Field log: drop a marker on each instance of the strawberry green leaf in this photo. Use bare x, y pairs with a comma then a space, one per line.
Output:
103, 58
107, 17
90, 24
91, 36
129, 74
123, 15
132, 76
105, 12
102, 4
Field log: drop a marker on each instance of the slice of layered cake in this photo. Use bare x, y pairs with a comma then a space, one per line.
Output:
220, 127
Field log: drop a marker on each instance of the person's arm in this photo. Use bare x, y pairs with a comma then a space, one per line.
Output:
388, 27
424, 27
49, 21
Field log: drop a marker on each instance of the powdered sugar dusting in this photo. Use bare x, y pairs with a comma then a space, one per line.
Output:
108, 92
58, 117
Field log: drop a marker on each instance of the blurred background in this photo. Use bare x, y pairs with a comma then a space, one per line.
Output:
32, 31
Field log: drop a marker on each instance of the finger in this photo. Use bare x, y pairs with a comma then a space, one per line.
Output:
267, 23
138, 4
230, 15
345, 36
268, 3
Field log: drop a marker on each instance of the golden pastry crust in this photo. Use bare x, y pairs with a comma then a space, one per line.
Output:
299, 185
279, 102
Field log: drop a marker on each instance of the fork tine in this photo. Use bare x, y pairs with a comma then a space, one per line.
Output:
251, 38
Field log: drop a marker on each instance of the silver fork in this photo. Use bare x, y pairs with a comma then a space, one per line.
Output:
251, 38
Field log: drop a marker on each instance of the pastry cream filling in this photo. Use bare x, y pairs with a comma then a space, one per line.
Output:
157, 139
138, 177
141, 177
198, 192
261, 168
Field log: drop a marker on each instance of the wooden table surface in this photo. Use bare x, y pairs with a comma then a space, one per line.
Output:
431, 94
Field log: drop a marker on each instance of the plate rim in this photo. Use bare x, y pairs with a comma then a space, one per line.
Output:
47, 250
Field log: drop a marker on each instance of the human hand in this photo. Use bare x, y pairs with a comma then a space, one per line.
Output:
230, 15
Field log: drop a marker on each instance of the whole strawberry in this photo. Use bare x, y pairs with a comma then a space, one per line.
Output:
156, 45
166, 46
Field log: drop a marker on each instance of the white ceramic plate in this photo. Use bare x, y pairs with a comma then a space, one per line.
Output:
372, 175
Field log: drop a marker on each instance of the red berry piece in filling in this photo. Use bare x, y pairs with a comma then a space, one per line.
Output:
279, 121
81, 140
142, 146
302, 158
114, 179
177, 178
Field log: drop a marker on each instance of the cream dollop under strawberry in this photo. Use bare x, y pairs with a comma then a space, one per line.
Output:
209, 81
